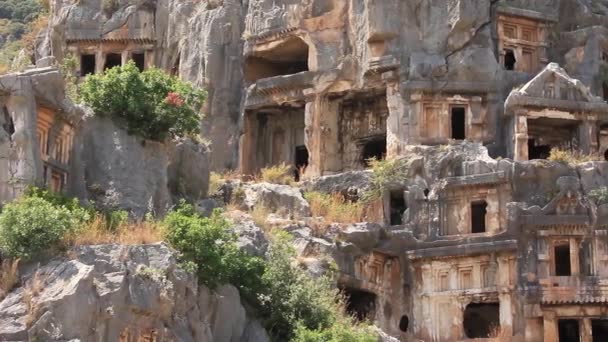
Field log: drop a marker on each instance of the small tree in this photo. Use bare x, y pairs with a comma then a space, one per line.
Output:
31, 226
150, 104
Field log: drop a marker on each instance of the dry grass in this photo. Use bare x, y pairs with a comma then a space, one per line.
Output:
572, 157
278, 174
216, 179
259, 215
32, 290
96, 233
335, 208
9, 276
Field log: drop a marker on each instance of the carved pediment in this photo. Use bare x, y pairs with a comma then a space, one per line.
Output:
554, 88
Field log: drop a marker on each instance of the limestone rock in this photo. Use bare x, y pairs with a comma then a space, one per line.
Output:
114, 290
284, 199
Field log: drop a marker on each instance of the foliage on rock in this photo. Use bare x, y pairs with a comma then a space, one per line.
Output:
599, 195
209, 248
334, 207
277, 174
150, 104
385, 174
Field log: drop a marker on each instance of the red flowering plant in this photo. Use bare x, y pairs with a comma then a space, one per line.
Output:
151, 104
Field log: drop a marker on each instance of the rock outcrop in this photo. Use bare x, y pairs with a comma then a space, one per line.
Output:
119, 293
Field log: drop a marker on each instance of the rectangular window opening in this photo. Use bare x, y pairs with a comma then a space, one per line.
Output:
562, 260
599, 330
139, 59
87, 64
398, 207
112, 60
478, 216
510, 59
373, 148
569, 330
458, 123
301, 161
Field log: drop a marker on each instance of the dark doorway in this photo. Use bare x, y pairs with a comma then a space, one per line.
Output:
478, 216
562, 260
569, 330
538, 151
458, 123
87, 65
288, 57
360, 304
510, 59
140, 60
605, 91
404, 323
481, 320
606, 155
112, 60
398, 207
373, 148
599, 330
7, 123
301, 161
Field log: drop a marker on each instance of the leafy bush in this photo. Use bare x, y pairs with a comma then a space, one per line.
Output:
335, 208
344, 330
385, 174
599, 195
207, 244
31, 226
150, 104
278, 174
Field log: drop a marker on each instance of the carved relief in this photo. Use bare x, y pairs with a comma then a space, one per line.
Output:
521, 43
55, 139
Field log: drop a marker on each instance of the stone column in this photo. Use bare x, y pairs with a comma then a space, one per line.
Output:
550, 327
322, 136
506, 313
397, 123
100, 60
520, 136
415, 118
587, 134
586, 330
574, 262
125, 55
247, 145
25, 164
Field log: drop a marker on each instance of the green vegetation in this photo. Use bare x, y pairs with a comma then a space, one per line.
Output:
293, 305
209, 248
599, 195
20, 21
32, 226
150, 104
385, 174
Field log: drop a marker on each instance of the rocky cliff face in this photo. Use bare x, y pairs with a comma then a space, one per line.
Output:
123, 293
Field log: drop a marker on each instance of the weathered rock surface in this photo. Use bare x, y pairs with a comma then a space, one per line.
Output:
283, 199
107, 291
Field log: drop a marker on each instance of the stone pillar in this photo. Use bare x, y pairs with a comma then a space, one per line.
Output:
247, 145
397, 130
520, 136
125, 55
550, 327
586, 330
588, 137
415, 118
506, 313
25, 163
322, 136
574, 253
100, 61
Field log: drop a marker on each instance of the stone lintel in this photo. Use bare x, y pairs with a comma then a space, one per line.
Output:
518, 100
526, 13
461, 87
461, 249
480, 179
550, 221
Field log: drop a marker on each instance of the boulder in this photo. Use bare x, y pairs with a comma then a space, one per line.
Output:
284, 199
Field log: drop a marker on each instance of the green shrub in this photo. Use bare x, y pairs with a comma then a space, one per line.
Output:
385, 174
599, 195
344, 330
31, 226
151, 104
78, 211
207, 245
